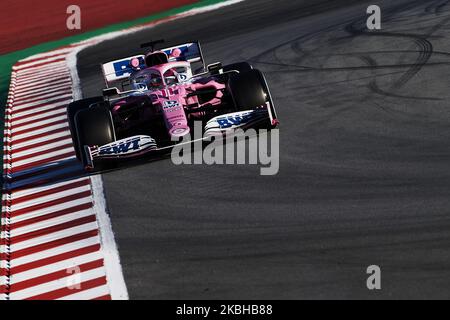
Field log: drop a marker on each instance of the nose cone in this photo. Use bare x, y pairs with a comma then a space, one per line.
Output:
179, 131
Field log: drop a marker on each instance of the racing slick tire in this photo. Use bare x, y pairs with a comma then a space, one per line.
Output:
72, 109
247, 90
94, 126
239, 66
269, 99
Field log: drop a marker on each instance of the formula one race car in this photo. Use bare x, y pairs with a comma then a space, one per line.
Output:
161, 97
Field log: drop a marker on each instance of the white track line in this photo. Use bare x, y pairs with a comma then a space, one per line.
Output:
35, 132
50, 223
113, 267
48, 67
44, 82
29, 161
50, 197
60, 265
15, 195
65, 134
58, 284
88, 294
32, 151
29, 65
46, 54
54, 73
34, 125
52, 113
48, 106
72, 246
42, 95
54, 236
30, 126
48, 210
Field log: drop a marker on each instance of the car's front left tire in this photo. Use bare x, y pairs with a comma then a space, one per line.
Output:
94, 126
72, 109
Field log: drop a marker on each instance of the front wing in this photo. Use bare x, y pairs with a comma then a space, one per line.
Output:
140, 145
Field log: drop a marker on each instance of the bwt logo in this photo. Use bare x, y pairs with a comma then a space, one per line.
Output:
123, 147
234, 120
170, 104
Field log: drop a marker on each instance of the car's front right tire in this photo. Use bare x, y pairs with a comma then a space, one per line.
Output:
247, 90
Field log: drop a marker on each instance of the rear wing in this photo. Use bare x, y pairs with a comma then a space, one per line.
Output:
120, 70
190, 52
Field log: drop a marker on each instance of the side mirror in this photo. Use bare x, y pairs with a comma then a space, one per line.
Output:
110, 92
214, 68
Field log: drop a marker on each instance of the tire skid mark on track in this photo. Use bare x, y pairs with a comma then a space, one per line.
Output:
423, 54
425, 50
420, 40
436, 7
421, 47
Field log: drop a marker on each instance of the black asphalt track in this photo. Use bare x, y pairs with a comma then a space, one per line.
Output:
364, 173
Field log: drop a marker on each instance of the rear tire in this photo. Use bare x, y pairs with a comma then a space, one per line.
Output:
94, 126
238, 66
72, 109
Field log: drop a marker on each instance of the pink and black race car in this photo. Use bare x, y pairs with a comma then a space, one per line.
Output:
160, 99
